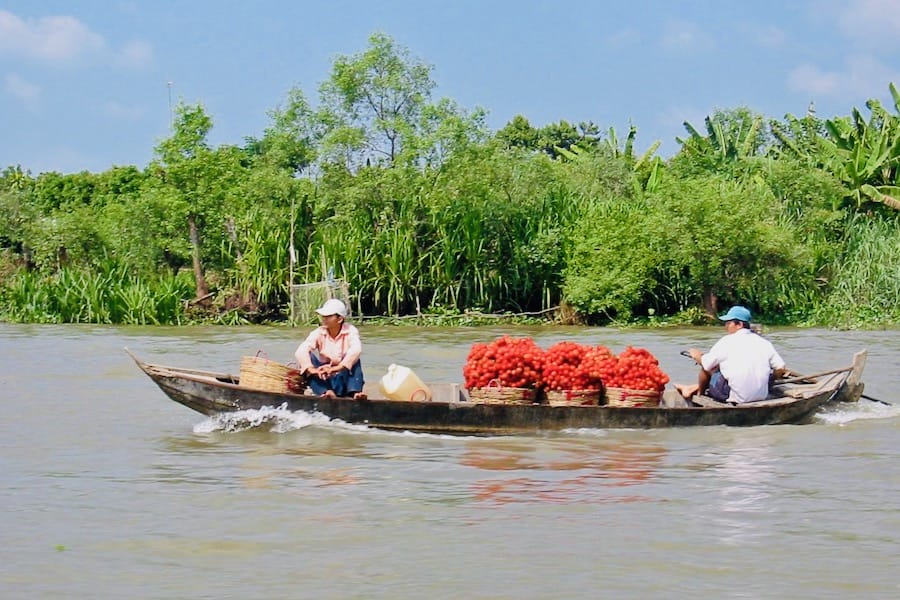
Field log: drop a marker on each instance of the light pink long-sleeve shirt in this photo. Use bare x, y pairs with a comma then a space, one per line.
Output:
345, 349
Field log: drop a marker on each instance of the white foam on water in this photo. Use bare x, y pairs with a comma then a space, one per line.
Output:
843, 414
282, 420
587, 431
279, 420
438, 436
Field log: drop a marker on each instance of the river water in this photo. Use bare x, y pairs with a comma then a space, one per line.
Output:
110, 490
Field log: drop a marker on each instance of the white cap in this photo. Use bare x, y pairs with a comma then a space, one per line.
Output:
332, 307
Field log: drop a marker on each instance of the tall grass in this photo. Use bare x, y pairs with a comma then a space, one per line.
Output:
865, 285
261, 272
110, 297
489, 233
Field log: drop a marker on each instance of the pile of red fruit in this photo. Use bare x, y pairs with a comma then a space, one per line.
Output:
572, 366
637, 369
521, 363
505, 362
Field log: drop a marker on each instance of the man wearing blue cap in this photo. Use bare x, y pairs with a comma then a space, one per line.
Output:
739, 366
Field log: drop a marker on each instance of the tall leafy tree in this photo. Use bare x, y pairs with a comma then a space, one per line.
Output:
519, 133
446, 129
290, 142
564, 135
65, 229
195, 179
554, 139
373, 102
17, 212
376, 109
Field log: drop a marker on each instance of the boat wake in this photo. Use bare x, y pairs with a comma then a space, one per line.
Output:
276, 420
843, 414
282, 420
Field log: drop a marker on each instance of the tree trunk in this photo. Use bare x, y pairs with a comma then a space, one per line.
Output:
710, 303
199, 277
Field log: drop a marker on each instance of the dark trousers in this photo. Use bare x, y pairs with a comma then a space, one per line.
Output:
718, 387
343, 383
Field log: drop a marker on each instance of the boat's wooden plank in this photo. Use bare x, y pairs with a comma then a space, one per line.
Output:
707, 402
859, 364
674, 399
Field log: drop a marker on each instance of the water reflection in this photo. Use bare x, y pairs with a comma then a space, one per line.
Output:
262, 457
746, 472
588, 472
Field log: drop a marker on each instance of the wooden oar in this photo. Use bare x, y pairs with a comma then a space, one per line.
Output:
867, 397
798, 378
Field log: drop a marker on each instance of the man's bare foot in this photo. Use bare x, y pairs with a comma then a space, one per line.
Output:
687, 389
359, 396
329, 394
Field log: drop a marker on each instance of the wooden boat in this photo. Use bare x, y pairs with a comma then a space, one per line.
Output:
451, 410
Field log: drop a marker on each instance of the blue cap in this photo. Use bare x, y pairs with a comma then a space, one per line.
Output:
736, 313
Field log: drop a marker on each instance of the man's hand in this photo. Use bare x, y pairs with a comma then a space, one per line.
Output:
326, 371
696, 354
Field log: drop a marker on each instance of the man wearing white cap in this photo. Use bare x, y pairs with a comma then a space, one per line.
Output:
329, 356
739, 366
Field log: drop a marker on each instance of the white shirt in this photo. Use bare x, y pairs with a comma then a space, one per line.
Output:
746, 360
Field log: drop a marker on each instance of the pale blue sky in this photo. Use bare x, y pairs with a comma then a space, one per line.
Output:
84, 85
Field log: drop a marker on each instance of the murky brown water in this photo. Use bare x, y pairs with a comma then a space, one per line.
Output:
110, 490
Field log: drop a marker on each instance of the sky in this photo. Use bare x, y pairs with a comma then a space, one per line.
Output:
86, 85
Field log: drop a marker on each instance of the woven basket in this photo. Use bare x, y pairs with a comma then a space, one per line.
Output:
495, 394
631, 398
260, 373
573, 397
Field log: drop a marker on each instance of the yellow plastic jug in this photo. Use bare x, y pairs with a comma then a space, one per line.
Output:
400, 383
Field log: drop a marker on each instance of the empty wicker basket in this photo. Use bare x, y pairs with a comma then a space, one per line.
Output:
260, 373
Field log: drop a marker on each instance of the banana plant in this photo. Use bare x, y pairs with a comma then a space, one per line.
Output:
798, 138
647, 167
865, 154
730, 135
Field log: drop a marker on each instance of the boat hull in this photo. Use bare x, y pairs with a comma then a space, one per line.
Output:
452, 412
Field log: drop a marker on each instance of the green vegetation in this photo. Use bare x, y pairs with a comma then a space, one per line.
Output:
425, 212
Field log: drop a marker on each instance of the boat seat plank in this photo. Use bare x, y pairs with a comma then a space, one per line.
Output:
707, 402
